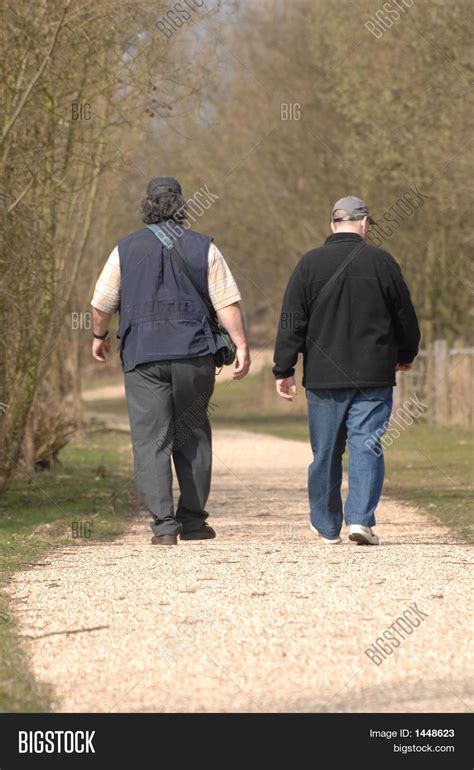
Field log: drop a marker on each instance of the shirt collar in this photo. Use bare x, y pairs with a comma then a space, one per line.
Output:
340, 237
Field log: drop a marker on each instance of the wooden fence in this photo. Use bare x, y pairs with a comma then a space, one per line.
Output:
443, 379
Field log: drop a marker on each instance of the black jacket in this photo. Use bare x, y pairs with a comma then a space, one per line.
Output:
363, 326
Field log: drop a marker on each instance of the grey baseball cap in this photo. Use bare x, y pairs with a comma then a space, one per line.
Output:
163, 184
355, 207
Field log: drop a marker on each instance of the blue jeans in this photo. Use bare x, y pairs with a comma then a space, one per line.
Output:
360, 417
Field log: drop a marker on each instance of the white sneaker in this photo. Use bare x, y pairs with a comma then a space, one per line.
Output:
327, 540
362, 535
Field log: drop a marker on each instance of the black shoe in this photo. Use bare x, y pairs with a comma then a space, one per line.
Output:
204, 533
164, 540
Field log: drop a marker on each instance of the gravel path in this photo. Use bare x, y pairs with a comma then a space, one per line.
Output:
264, 618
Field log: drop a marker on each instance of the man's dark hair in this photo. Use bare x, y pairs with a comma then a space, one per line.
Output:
157, 208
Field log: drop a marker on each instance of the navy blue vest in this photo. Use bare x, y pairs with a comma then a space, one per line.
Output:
161, 315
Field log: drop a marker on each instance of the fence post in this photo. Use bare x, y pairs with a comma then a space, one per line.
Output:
440, 381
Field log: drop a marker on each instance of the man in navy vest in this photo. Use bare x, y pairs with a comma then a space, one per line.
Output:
167, 349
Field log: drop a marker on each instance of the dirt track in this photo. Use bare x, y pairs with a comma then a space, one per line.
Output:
264, 618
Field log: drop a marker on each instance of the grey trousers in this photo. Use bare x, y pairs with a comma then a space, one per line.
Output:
168, 409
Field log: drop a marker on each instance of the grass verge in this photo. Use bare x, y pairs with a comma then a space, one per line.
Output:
88, 498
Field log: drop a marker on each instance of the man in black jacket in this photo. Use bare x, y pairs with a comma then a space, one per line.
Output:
354, 335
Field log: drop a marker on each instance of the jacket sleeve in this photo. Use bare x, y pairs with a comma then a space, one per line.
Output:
292, 324
407, 330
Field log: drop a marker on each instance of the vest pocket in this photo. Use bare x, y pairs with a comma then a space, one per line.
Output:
172, 338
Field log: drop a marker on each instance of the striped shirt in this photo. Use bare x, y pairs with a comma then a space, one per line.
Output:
221, 285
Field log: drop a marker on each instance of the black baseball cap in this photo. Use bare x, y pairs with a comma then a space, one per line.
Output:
163, 184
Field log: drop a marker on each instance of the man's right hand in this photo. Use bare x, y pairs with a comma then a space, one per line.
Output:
242, 363
100, 348
286, 388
